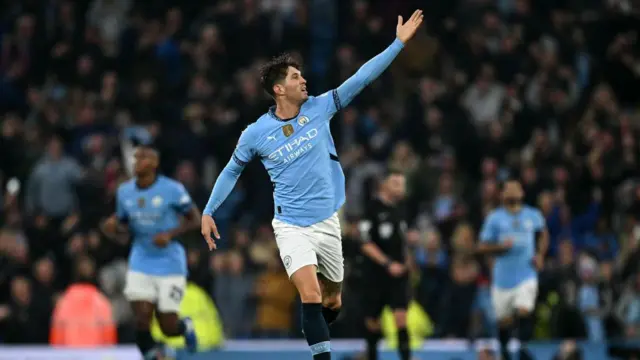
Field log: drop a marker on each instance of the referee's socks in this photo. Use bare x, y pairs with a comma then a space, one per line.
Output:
403, 344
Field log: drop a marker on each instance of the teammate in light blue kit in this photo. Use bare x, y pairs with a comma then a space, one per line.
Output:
294, 143
517, 234
152, 208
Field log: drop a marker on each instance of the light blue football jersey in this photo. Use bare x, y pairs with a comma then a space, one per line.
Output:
148, 212
299, 155
516, 266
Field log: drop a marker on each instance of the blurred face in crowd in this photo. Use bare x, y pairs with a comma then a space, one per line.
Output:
402, 151
434, 117
294, 86
565, 253
606, 271
560, 175
512, 195
445, 185
432, 241
545, 202
489, 167
395, 186
21, 290
529, 175
44, 271
209, 35
193, 258
85, 269
236, 263
463, 238
55, 148
489, 190
186, 173
146, 161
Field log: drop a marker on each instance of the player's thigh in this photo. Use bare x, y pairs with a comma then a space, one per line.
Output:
306, 282
503, 301
295, 246
140, 287
171, 291
525, 298
327, 242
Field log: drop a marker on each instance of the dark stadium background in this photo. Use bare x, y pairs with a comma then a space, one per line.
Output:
544, 90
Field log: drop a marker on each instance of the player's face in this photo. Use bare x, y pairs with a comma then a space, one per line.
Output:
145, 161
295, 85
512, 195
396, 186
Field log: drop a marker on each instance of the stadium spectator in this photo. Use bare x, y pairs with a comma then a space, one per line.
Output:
275, 299
83, 316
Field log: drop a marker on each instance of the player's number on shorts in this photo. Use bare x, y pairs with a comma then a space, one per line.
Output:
176, 293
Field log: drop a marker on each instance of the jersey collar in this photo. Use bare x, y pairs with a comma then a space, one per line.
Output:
138, 187
272, 112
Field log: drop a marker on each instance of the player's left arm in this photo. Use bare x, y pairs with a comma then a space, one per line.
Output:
184, 206
371, 70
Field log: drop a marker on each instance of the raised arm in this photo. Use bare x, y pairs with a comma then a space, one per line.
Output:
372, 69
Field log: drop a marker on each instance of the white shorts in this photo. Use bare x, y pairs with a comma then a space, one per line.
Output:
164, 291
506, 302
319, 244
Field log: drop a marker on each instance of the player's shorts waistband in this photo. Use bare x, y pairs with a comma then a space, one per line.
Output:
333, 218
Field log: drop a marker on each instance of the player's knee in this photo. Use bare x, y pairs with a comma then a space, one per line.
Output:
310, 294
400, 316
332, 301
523, 312
165, 326
169, 324
505, 321
373, 325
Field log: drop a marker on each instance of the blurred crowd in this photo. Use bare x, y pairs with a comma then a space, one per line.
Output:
544, 90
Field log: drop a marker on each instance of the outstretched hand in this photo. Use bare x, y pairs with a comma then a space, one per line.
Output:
208, 227
405, 31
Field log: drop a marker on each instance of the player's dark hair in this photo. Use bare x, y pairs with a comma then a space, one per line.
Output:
503, 183
275, 71
150, 148
393, 171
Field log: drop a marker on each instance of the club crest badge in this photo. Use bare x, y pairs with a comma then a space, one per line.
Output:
287, 130
302, 120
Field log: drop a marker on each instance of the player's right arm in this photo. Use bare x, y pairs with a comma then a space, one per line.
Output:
225, 183
490, 236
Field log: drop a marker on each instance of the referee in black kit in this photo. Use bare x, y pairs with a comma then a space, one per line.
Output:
382, 232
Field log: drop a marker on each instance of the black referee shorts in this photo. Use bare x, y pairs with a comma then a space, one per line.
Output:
384, 291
